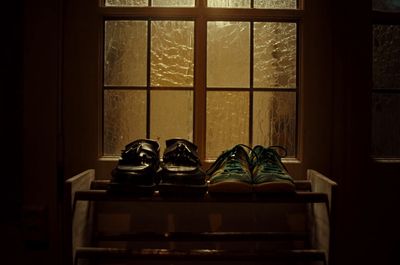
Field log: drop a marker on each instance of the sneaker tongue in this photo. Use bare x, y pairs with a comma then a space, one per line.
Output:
270, 160
257, 151
269, 154
264, 155
239, 152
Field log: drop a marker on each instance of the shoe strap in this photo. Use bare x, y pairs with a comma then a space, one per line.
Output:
181, 152
173, 141
139, 150
148, 144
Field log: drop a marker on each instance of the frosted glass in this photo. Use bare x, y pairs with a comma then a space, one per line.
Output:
386, 54
173, 3
124, 119
229, 3
172, 45
228, 54
386, 5
125, 53
274, 55
386, 125
272, 4
126, 2
171, 115
274, 119
275, 4
227, 121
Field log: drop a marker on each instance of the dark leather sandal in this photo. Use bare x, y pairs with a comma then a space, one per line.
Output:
137, 168
181, 173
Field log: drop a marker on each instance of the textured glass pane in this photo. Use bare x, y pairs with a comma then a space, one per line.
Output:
172, 44
272, 4
171, 3
274, 55
171, 115
124, 119
386, 56
227, 121
386, 5
125, 52
126, 2
275, 4
228, 54
386, 125
229, 3
274, 120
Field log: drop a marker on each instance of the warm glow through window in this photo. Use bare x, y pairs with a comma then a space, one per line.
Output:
243, 89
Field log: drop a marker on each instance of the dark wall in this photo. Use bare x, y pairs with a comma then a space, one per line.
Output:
11, 132
29, 87
11, 107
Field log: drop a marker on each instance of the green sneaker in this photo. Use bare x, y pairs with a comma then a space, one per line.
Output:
269, 173
231, 172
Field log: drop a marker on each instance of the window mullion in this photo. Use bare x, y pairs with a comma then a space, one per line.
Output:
251, 82
200, 81
148, 85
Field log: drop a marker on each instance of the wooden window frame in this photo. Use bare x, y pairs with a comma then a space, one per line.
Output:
201, 15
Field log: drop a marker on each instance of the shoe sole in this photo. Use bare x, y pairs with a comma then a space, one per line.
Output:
229, 186
273, 187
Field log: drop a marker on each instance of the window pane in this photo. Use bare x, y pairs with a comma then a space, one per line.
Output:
229, 3
125, 53
386, 5
385, 125
274, 55
272, 4
124, 119
171, 3
171, 115
275, 4
386, 54
227, 121
228, 59
126, 2
274, 120
172, 44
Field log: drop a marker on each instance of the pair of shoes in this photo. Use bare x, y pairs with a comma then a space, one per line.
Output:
244, 170
139, 170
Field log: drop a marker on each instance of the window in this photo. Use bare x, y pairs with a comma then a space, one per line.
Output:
116, 88
215, 72
386, 79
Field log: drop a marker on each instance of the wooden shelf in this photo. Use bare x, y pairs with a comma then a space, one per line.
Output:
317, 190
103, 254
297, 197
203, 236
301, 185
